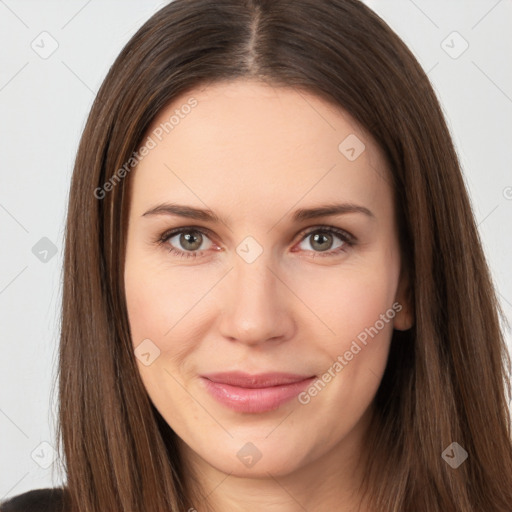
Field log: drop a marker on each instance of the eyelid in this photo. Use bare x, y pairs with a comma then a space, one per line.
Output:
342, 233
304, 232
176, 231
346, 237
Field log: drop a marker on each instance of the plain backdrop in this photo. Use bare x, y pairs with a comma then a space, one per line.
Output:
54, 56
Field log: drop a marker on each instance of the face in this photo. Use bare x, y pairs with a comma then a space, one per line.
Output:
294, 279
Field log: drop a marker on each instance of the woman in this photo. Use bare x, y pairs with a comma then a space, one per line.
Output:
275, 296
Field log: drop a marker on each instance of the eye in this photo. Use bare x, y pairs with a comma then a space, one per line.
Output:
322, 240
189, 242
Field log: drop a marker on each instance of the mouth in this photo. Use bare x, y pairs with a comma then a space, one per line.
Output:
257, 393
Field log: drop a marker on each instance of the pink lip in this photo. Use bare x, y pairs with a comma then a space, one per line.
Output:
264, 392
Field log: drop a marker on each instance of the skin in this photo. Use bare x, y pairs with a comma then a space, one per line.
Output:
254, 154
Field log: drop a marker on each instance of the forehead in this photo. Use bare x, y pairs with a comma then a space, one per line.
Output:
259, 147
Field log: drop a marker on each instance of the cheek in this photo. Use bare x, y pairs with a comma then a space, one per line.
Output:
358, 306
347, 386
160, 306
159, 301
363, 323
348, 299
170, 307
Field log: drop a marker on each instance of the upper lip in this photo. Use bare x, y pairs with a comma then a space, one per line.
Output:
260, 380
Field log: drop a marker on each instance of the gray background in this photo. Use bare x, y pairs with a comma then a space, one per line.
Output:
44, 100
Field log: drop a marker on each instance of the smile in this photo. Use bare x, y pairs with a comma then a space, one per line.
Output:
246, 393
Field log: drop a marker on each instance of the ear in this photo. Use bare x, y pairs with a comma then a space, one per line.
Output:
404, 319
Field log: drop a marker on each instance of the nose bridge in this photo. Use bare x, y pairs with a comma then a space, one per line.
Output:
254, 309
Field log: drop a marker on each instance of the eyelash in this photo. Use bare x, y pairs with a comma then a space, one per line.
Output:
347, 239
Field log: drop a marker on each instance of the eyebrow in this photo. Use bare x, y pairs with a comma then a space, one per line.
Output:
299, 215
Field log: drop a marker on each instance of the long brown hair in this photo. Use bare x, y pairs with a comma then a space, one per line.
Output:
447, 378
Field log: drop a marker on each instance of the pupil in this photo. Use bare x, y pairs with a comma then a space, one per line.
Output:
318, 238
190, 239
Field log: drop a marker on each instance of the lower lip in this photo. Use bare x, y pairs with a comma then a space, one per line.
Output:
254, 400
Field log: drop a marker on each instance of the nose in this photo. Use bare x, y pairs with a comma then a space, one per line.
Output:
257, 306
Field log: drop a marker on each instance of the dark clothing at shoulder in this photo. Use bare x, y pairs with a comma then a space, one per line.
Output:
39, 500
